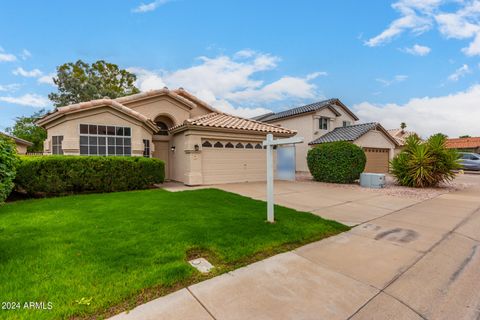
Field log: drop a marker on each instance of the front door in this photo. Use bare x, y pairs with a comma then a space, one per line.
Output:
162, 152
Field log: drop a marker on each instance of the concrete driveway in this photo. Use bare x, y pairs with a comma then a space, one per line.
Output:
405, 259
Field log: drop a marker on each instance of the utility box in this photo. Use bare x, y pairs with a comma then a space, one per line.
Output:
372, 180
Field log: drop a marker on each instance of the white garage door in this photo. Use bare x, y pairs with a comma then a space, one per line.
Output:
228, 162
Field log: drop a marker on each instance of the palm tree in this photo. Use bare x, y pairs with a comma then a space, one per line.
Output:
403, 125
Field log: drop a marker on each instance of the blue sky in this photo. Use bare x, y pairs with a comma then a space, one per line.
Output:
409, 60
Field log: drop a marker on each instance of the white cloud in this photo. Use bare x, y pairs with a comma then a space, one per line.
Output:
454, 114
6, 57
230, 82
25, 54
47, 79
9, 87
31, 100
147, 7
29, 74
418, 50
459, 73
418, 16
415, 16
388, 82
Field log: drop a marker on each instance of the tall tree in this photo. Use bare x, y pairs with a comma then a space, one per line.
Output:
80, 81
25, 128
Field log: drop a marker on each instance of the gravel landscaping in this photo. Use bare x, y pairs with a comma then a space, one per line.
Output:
392, 189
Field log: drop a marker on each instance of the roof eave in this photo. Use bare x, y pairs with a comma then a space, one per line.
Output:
189, 126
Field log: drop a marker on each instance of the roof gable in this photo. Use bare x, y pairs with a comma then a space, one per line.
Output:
307, 109
93, 104
352, 133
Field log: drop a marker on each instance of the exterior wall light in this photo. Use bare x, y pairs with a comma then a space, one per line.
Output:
173, 148
196, 147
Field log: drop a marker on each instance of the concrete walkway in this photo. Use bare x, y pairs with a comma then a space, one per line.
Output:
406, 259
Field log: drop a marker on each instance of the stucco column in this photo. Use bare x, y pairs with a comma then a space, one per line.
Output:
193, 154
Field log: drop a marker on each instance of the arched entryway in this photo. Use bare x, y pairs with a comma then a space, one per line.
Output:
161, 141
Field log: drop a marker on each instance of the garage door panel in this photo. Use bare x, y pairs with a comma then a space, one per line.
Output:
233, 165
377, 160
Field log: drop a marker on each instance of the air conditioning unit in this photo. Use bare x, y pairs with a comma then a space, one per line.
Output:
372, 180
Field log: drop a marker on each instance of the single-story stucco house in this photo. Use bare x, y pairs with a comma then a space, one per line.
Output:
199, 144
401, 136
21, 144
471, 144
331, 120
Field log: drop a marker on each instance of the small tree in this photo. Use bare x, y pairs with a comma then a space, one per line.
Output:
403, 125
338, 162
8, 163
425, 164
25, 128
80, 81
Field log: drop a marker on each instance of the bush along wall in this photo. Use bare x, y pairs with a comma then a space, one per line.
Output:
337, 162
56, 175
8, 163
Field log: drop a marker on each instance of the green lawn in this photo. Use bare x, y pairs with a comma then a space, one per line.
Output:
120, 249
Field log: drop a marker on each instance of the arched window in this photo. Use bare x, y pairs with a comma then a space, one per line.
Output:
163, 128
239, 146
229, 145
218, 145
206, 144
258, 146
249, 146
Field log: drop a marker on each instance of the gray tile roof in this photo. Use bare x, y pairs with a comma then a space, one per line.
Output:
299, 110
305, 109
348, 133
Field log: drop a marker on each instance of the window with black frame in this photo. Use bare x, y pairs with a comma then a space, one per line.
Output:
57, 144
105, 140
323, 123
146, 148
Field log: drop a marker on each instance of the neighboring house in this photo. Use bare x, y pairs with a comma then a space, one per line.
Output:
400, 135
465, 144
199, 145
21, 144
378, 144
334, 121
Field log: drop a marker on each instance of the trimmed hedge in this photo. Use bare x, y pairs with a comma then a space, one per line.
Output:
56, 175
8, 163
337, 162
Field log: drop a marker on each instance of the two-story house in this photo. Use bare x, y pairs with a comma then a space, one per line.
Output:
330, 120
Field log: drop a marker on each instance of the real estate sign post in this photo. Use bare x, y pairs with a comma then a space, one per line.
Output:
269, 143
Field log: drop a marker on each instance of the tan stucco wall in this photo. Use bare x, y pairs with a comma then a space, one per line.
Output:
21, 148
166, 106
376, 139
69, 128
306, 126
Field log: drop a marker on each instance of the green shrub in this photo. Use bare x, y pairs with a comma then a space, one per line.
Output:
425, 164
338, 162
8, 163
54, 175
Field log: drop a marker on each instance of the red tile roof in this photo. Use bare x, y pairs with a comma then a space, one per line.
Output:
460, 143
226, 121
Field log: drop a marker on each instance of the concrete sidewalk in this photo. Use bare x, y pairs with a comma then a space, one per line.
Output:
405, 260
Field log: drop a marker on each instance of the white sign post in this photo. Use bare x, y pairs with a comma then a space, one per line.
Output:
269, 143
